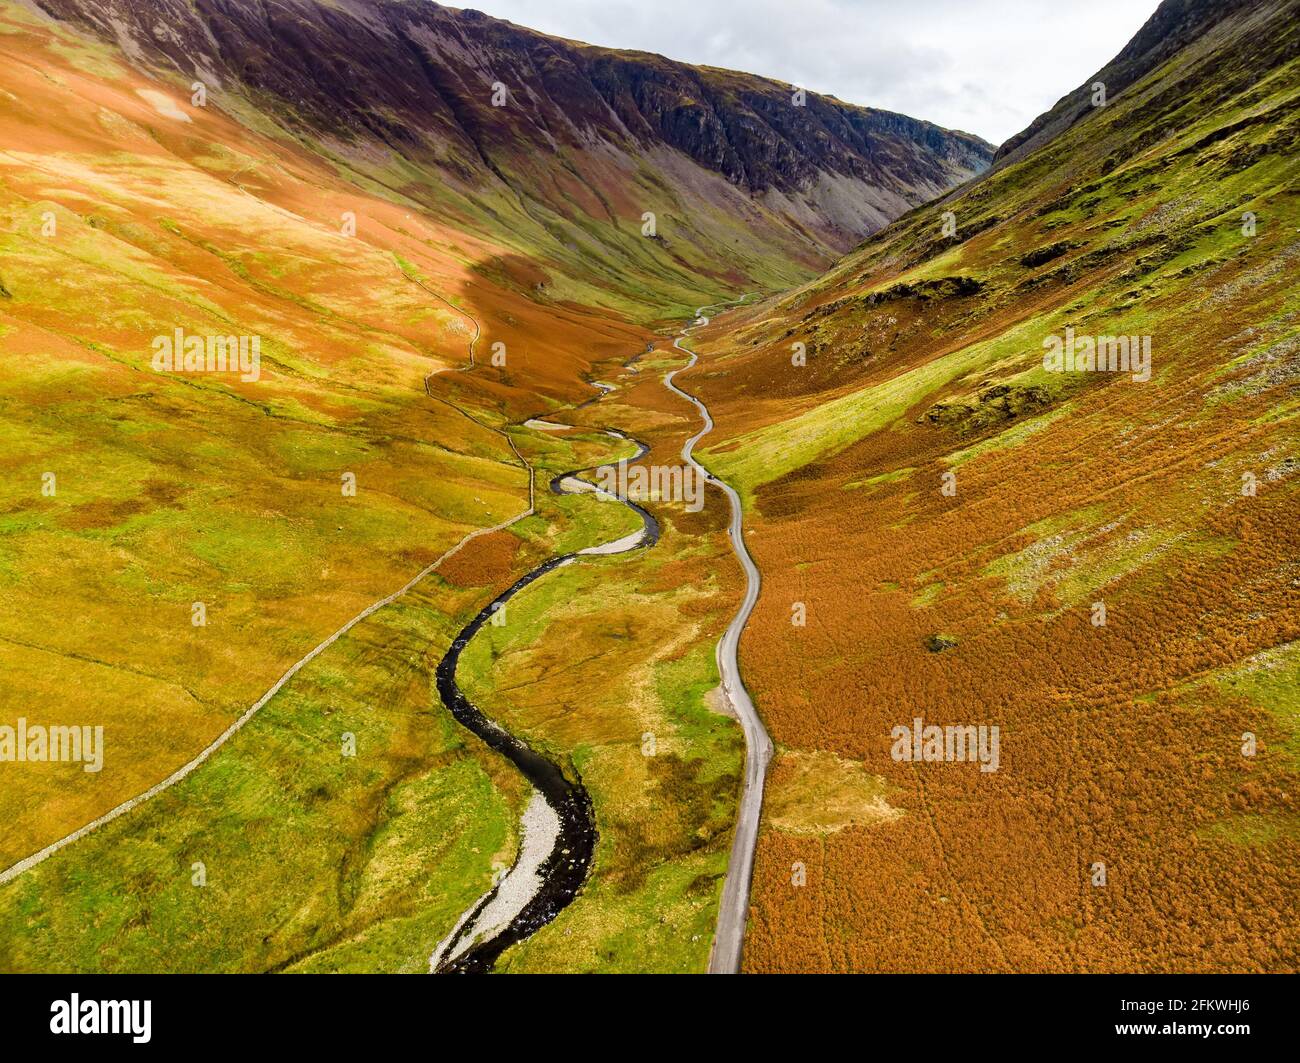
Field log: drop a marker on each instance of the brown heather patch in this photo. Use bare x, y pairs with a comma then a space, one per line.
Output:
673, 573
1090, 771
488, 561
100, 514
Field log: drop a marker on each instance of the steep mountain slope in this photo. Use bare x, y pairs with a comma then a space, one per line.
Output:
953, 526
557, 147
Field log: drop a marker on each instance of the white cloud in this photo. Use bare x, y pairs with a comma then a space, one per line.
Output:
986, 66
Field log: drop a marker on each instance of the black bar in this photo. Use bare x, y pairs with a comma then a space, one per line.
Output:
860, 1014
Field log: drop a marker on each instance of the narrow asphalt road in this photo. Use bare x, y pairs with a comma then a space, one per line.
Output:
734, 910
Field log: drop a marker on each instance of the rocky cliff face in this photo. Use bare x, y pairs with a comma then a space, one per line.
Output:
570, 129
748, 129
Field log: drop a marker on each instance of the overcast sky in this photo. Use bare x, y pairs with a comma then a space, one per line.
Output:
986, 66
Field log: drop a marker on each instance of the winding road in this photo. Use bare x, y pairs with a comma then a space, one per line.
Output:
734, 909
